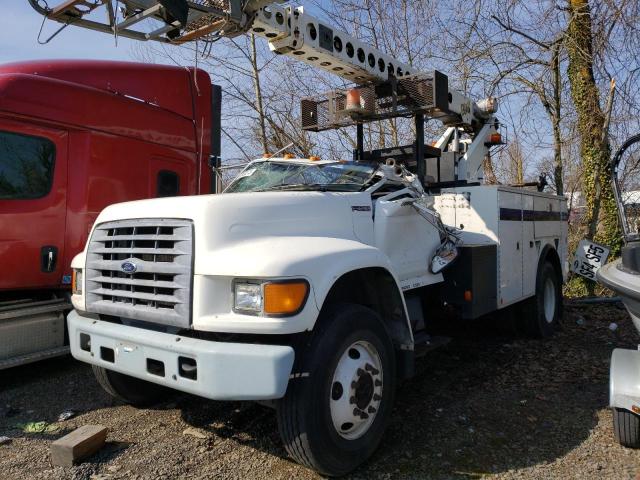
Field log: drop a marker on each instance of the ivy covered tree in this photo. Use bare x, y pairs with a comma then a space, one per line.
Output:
601, 212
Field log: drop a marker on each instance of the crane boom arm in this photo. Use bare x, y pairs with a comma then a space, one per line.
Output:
393, 88
292, 32
289, 30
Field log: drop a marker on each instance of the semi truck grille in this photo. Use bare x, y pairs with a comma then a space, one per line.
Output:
142, 270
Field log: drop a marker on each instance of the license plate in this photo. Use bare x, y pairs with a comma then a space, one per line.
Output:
589, 257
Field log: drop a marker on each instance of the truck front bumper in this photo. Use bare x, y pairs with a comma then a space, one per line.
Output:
215, 370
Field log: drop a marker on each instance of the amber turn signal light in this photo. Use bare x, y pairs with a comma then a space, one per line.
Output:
76, 282
495, 139
286, 298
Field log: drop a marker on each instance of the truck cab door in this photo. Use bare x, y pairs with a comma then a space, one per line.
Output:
33, 206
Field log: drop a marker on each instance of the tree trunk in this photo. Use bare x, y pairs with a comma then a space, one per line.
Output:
555, 119
601, 212
258, 93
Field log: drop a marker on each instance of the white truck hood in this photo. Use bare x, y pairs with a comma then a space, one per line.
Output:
233, 218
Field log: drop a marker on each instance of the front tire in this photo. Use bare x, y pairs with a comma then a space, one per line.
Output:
131, 390
333, 419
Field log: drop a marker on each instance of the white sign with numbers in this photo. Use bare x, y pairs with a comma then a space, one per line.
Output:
588, 259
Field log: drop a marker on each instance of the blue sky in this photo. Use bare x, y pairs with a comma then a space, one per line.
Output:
19, 26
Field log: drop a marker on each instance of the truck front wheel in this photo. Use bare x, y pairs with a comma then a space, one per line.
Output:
129, 389
335, 412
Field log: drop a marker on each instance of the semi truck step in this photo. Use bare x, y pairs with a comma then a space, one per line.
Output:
34, 357
17, 310
32, 331
425, 343
9, 303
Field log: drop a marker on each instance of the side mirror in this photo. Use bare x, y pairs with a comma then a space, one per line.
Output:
444, 257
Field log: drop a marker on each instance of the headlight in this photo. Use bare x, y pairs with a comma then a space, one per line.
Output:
76, 282
279, 298
248, 297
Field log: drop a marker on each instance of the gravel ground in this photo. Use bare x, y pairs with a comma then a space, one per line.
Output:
490, 406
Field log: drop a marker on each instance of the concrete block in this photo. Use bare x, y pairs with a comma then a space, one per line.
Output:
81, 443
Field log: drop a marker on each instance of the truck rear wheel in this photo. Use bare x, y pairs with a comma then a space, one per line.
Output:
131, 390
334, 415
626, 428
543, 312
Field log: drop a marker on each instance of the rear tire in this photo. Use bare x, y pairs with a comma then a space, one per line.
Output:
131, 390
626, 428
543, 312
351, 372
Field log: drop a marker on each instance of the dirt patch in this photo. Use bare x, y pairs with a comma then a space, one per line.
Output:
487, 405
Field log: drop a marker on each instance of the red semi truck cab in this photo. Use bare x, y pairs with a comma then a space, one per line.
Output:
76, 136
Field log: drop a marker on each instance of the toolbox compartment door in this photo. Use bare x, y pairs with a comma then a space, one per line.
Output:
530, 251
510, 255
547, 217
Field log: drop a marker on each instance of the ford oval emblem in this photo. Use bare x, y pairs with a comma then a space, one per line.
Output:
128, 267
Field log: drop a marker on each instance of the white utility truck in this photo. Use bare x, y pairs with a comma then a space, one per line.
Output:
312, 284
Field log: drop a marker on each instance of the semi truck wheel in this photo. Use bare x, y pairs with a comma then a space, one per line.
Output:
333, 419
544, 311
626, 427
130, 390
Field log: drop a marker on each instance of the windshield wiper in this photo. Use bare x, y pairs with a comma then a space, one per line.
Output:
320, 187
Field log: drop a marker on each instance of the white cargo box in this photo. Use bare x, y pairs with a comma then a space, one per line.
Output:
519, 221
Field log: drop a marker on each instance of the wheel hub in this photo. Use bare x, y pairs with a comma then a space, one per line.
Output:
364, 391
549, 300
356, 391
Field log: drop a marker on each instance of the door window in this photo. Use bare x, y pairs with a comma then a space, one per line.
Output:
168, 183
26, 166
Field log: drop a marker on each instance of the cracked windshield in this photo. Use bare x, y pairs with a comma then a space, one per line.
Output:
267, 176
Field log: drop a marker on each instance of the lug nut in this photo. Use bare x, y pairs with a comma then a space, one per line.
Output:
378, 383
352, 400
363, 416
371, 410
372, 369
377, 397
360, 372
357, 412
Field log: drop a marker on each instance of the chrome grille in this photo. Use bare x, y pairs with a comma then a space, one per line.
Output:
157, 285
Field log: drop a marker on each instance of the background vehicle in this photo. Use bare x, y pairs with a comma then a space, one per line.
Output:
623, 277
313, 283
76, 136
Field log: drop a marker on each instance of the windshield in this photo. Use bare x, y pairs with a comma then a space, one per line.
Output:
267, 175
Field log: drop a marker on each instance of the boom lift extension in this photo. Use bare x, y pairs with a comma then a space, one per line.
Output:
387, 88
